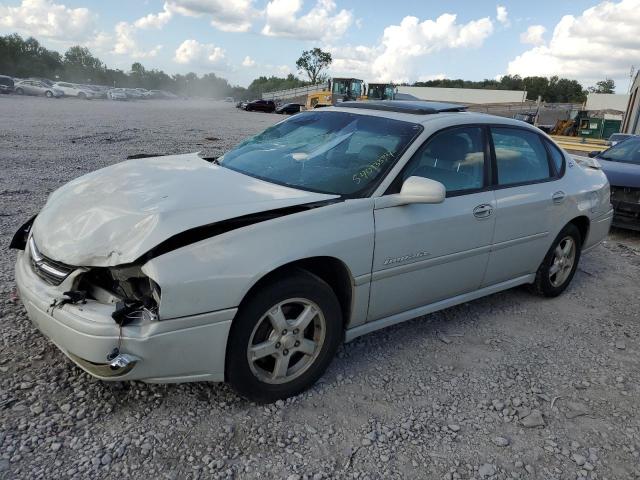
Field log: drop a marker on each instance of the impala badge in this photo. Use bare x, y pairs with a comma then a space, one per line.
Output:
405, 258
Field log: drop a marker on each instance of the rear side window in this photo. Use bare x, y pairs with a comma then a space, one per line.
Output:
520, 156
453, 157
556, 156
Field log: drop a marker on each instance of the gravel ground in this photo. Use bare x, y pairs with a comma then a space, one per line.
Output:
509, 386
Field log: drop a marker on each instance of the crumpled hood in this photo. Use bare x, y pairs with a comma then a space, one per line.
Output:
114, 215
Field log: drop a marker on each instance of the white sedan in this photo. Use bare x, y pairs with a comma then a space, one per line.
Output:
254, 267
73, 90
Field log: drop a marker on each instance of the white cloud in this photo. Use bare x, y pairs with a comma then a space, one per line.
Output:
226, 15
248, 62
534, 35
193, 52
125, 43
43, 18
394, 58
502, 15
427, 78
601, 42
155, 20
321, 22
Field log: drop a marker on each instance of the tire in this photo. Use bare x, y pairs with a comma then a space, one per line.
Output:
82, 96
555, 273
19, 91
48, 94
283, 300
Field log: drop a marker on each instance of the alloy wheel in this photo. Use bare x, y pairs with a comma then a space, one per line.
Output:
286, 341
563, 261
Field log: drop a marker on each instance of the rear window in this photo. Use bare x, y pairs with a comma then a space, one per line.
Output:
556, 156
520, 156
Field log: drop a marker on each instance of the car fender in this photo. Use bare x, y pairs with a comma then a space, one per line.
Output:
216, 273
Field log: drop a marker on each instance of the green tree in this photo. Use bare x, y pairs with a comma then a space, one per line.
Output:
607, 85
81, 66
314, 63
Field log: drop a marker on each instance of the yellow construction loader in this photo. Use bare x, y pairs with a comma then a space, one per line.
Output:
381, 91
338, 90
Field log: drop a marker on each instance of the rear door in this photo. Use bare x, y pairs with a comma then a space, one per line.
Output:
29, 88
529, 201
426, 253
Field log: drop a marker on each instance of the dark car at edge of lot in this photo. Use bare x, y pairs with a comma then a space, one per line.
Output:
289, 108
6, 84
621, 165
260, 106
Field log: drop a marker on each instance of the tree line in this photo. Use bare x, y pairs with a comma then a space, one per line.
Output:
28, 58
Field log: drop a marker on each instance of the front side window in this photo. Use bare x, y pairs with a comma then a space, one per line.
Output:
627, 151
328, 152
520, 156
454, 157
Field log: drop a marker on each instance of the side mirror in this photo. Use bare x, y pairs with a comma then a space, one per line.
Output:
595, 153
414, 190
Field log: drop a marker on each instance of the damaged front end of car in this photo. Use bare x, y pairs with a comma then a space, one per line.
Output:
121, 295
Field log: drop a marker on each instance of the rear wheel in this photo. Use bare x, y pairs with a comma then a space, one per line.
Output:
48, 94
560, 264
283, 338
82, 95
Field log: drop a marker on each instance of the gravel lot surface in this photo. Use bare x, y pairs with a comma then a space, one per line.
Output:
509, 386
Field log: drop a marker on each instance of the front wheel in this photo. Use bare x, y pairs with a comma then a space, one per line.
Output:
560, 264
283, 338
19, 91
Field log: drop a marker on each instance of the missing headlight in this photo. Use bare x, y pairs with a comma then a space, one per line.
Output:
134, 295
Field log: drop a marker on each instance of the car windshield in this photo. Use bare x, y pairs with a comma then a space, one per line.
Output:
328, 152
627, 151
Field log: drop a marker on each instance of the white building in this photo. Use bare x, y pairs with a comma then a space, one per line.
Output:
607, 101
464, 95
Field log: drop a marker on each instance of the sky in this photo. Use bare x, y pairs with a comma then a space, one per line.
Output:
399, 40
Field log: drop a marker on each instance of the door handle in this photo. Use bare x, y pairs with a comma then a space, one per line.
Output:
558, 197
483, 211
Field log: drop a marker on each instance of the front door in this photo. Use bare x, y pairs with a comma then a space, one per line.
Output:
425, 253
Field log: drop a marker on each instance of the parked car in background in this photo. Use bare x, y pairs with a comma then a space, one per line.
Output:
145, 93
161, 94
289, 108
6, 84
241, 104
117, 94
331, 224
37, 87
621, 165
133, 93
74, 90
99, 91
229, 100
616, 138
46, 81
260, 106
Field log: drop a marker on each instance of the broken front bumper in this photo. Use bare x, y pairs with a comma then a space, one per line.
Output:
627, 215
183, 349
